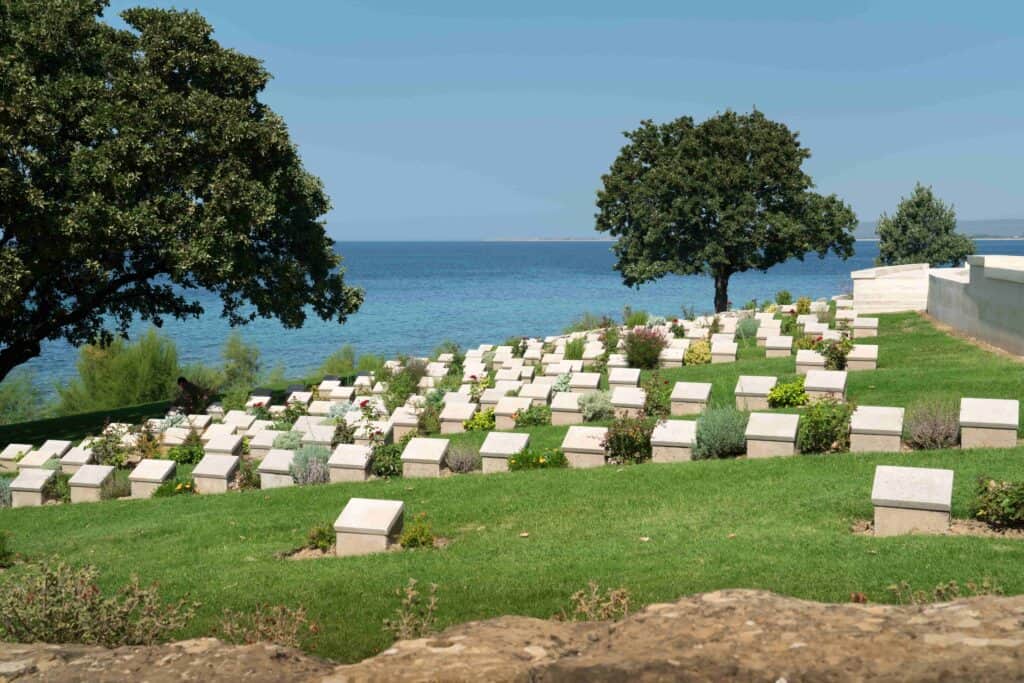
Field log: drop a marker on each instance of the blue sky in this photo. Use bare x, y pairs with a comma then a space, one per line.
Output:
478, 120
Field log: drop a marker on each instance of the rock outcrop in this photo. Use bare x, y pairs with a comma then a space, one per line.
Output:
722, 636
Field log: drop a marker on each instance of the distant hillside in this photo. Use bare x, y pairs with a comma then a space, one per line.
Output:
1005, 227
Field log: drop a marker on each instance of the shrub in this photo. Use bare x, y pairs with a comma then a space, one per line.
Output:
6, 554
835, 352
720, 434
344, 433
631, 318
698, 353
189, 452
629, 440
788, 394
403, 384
147, 442
596, 406
586, 322
75, 610
534, 416
562, 383
658, 396
118, 486
21, 399
108, 448
5, 492
247, 477
999, 504
642, 347
58, 488
241, 363
803, 306
932, 424
750, 305
788, 326
321, 537
414, 618
537, 459
590, 604
386, 459
747, 329
783, 297
574, 349
610, 337
825, 427
482, 421
943, 592
178, 486
309, 466
806, 342
677, 330
288, 441
266, 624
430, 419
418, 534
463, 457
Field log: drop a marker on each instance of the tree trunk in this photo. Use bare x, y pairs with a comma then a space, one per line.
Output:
721, 292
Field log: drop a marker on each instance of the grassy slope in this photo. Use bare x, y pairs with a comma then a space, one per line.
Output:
789, 517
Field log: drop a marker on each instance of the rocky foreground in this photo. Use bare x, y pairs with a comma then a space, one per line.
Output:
723, 636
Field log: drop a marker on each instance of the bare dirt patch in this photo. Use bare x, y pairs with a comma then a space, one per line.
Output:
957, 527
316, 554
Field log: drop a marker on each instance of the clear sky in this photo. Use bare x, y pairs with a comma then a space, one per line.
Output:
478, 120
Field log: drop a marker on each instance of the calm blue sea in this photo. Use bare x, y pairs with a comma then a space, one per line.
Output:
420, 294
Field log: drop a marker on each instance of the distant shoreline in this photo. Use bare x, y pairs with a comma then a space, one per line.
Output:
584, 240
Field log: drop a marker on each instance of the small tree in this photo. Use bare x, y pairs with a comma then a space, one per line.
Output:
923, 230
717, 198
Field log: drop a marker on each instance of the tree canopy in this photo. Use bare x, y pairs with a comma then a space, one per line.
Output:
923, 230
138, 164
716, 198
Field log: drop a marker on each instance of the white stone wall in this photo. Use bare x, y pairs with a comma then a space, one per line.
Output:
984, 300
889, 289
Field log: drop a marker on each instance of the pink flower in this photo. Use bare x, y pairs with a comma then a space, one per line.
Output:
364, 403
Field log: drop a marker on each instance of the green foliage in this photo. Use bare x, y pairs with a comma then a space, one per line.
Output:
58, 488
587, 322
190, 452
658, 395
141, 167
904, 594
321, 537
629, 440
403, 384
932, 423
678, 330
610, 337
789, 394
430, 419
121, 374
482, 421
596, 406
241, 363
720, 433
999, 504
698, 353
247, 477
534, 416
463, 457
448, 346
740, 173
562, 383
835, 352
6, 554
386, 460
783, 297
21, 399
344, 433
750, 305
746, 329
178, 485
631, 318
109, 449
574, 349
642, 347
414, 618
309, 466
803, 306
418, 534
341, 362
288, 441
788, 326
537, 459
825, 427
806, 342
923, 230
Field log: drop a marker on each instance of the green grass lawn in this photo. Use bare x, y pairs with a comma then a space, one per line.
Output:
780, 524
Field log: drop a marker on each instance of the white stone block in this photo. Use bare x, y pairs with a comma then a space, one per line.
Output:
672, 440
367, 526
778, 346
629, 377
583, 446
771, 434
214, 473
826, 384
672, 357
350, 462
88, 483
275, 469
988, 422
538, 393
752, 391
498, 447
199, 422
239, 418
226, 444
55, 448
584, 382
11, 454
27, 488
808, 360
628, 400
862, 357
505, 411
876, 429
454, 414
39, 459
149, 474
318, 435
690, 398
911, 499
75, 458
424, 457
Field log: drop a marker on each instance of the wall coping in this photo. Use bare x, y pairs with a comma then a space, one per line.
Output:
882, 271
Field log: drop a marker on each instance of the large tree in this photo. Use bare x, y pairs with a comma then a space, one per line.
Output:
717, 198
139, 164
923, 230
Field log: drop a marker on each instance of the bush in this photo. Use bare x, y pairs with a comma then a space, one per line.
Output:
321, 537
121, 374
21, 399
698, 353
413, 618
596, 406
109, 449
58, 488
931, 424
677, 330
241, 363
805, 343
999, 504
610, 337
341, 363
721, 433
574, 349
586, 322
658, 396
788, 394
562, 383
309, 466
386, 459
803, 306
344, 433
430, 420
591, 604
482, 421
783, 297
247, 477
462, 458
179, 485
418, 534
75, 610
835, 352
403, 384
750, 305
537, 459
788, 326
746, 329
631, 318
825, 427
534, 416
5, 492
628, 440
642, 347
190, 452
266, 624
288, 441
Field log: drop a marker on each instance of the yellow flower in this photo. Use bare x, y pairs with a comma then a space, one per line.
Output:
542, 460
178, 487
